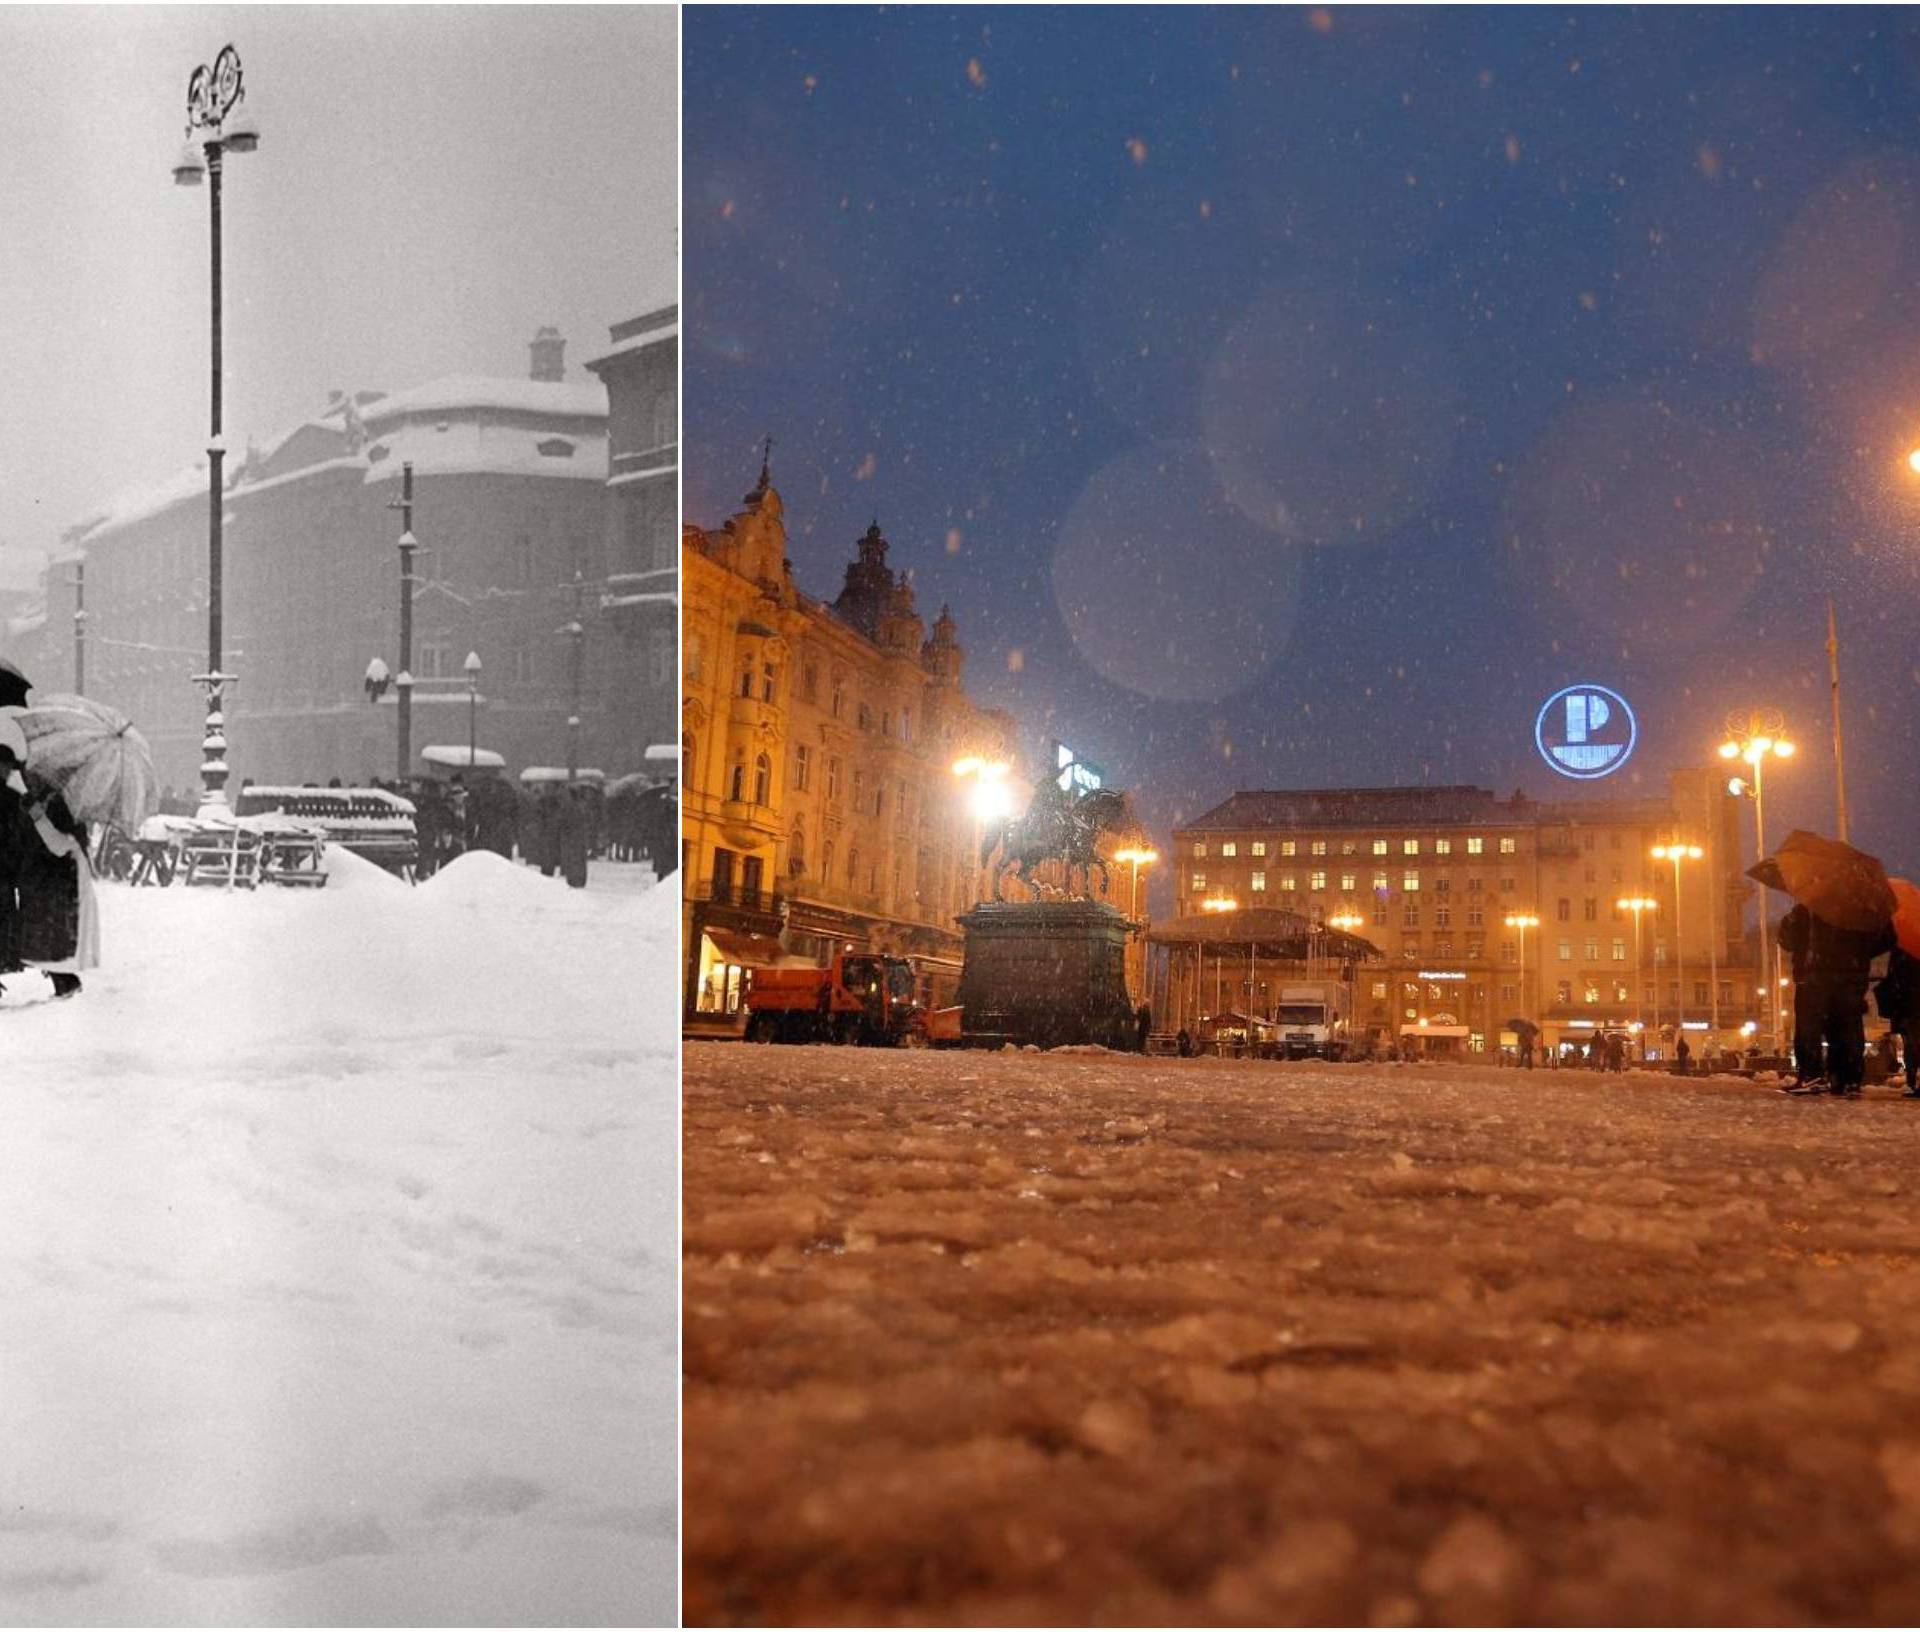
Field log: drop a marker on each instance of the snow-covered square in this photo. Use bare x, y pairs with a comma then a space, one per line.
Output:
337, 1244
1087, 1339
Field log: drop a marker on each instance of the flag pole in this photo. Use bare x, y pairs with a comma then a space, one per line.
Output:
1839, 757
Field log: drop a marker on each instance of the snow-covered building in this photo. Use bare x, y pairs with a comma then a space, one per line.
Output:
510, 510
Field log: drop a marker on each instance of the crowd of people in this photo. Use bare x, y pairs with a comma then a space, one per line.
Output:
47, 916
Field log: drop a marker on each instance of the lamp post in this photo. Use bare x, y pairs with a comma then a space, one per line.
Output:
1522, 921
1137, 857
988, 800
1637, 904
472, 666
217, 124
1755, 735
1219, 903
1347, 921
1677, 853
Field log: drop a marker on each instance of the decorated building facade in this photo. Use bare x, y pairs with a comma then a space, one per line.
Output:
819, 738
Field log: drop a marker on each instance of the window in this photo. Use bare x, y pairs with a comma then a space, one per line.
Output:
863, 717
1347, 882
1380, 883
810, 683
1410, 881
797, 853
860, 791
737, 781
766, 682
1259, 883
694, 658
1506, 952
1619, 950
746, 679
1590, 993
659, 659
1410, 946
886, 722
839, 706
1699, 991
762, 780
1563, 992
1409, 847
1442, 915
1410, 916
1379, 988
1318, 881
1476, 846
853, 869
1586, 841
1726, 991
1476, 949
1563, 909
1565, 949
1593, 949
802, 767
1199, 881
1319, 847
1620, 991
1259, 847
1508, 847
1442, 885
1289, 883
1506, 884
1229, 849
1590, 909
1379, 847
1475, 917
826, 861
1288, 847
906, 725
1349, 848
1379, 912
833, 778
1199, 849
1509, 994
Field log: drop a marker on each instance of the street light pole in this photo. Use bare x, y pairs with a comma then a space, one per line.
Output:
1753, 734
472, 667
214, 96
80, 626
1677, 853
408, 544
576, 633
1637, 904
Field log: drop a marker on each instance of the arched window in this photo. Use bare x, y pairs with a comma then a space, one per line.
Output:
853, 869
826, 861
762, 779
797, 852
737, 782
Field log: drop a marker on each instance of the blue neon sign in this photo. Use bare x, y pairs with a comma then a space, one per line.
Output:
1585, 731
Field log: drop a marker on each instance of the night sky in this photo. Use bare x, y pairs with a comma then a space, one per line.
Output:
1296, 398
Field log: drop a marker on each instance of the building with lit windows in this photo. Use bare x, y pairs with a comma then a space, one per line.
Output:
1432, 876
820, 807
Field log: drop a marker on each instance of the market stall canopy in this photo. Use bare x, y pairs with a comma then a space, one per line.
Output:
558, 773
456, 755
1272, 930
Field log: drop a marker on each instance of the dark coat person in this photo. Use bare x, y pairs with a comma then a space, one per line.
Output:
575, 827
1898, 995
13, 834
1793, 937
1838, 964
57, 928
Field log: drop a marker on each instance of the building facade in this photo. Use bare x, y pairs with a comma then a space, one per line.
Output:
1433, 874
515, 555
820, 809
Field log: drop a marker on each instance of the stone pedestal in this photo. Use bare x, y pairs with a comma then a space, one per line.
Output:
1046, 972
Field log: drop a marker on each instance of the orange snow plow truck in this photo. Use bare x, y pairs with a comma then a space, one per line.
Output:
861, 997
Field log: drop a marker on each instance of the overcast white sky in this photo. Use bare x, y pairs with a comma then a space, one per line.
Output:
432, 185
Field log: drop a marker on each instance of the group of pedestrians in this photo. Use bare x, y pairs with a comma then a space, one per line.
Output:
1831, 970
47, 916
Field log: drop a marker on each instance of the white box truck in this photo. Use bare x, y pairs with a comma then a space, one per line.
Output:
1314, 1020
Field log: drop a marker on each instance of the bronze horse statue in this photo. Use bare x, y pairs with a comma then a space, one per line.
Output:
1056, 827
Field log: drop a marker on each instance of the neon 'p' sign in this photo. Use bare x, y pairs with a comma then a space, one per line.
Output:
1585, 731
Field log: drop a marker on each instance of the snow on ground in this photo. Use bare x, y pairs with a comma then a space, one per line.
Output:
1007, 1338
337, 1258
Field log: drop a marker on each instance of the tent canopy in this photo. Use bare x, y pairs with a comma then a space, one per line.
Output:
456, 755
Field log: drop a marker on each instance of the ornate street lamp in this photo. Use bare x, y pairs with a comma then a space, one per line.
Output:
1637, 904
988, 800
472, 666
1522, 921
217, 124
1757, 735
1677, 853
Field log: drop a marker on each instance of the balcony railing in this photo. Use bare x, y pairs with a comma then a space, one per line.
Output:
727, 892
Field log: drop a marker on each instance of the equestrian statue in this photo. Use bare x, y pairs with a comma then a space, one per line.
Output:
1056, 826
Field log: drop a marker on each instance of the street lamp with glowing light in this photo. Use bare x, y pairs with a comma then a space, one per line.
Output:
1754, 735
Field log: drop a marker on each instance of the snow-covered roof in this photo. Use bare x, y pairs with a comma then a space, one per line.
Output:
637, 342
457, 394
143, 503
468, 447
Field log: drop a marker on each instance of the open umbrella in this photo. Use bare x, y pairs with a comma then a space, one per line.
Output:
1834, 881
1906, 914
92, 754
1521, 1026
14, 685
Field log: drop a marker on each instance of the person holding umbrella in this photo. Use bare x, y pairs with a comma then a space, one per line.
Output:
13, 791
1898, 993
59, 928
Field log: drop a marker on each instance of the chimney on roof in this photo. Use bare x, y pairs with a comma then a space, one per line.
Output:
549, 355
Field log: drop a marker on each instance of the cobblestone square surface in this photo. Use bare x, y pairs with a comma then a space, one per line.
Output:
1010, 1338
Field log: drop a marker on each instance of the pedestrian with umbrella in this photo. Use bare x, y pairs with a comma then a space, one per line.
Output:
1898, 992
1849, 922
59, 926
1524, 1032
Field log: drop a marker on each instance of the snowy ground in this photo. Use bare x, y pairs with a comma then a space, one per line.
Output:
337, 1259
1003, 1338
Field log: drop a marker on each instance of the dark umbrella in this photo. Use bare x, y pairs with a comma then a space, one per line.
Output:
1846, 887
1521, 1025
14, 685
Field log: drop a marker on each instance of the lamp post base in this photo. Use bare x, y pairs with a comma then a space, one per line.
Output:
213, 749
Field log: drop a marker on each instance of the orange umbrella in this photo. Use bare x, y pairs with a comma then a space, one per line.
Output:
1834, 881
1906, 913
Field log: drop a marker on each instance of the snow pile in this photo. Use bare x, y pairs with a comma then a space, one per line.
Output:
337, 1261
